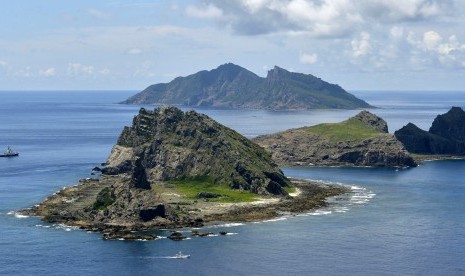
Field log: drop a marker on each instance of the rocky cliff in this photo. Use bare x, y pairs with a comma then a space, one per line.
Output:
231, 86
446, 135
169, 144
359, 141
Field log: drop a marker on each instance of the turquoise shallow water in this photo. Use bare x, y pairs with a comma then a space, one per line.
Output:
407, 222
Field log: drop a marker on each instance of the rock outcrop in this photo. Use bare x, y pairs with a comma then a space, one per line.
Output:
445, 136
360, 141
231, 86
168, 144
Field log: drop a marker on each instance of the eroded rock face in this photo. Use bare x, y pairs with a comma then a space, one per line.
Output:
303, 147
170, 144
446, 135
373, 121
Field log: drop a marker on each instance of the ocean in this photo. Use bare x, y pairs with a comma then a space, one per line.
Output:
396, 222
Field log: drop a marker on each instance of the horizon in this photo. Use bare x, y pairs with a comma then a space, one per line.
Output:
121, 45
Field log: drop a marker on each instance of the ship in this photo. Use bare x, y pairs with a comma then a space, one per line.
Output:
9, 152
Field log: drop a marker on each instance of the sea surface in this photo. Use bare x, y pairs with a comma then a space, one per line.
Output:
396, 222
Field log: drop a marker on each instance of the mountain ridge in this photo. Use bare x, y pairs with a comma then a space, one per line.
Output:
232, 86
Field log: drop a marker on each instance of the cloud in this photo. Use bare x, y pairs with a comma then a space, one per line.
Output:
209, 11
49, 72
362, 46
76, 69
308, 58
320, 18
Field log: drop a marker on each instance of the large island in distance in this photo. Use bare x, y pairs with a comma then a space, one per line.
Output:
231, 86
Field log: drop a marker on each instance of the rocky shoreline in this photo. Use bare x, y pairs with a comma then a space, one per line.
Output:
63, 207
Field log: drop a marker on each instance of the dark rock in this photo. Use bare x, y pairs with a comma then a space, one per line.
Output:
196, 233
151, 213
446, 135
223, 233
127, 235
176, 236
96, 169
123, 167
207, 195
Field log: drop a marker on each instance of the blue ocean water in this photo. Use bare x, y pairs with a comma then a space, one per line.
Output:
397, 222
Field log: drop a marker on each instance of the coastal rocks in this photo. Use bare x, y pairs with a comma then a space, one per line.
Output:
151, 213
127, 235
177, 236
359, 141
446, 135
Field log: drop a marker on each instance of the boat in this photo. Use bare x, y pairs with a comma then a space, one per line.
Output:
179, 255
9, 153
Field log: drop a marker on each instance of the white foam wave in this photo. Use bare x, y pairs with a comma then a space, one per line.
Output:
226, 225
18, 215
275, 219
11, 213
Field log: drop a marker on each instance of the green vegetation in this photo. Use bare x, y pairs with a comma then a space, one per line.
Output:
290, 190
104, 199
349, 130
191, 187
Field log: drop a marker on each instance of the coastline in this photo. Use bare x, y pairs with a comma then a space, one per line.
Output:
308, 195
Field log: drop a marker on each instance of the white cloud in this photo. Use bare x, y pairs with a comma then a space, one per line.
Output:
431, 40
308, 58
209, 11
134, 51
321, 18
77, 69
3, 64
104, 71
362, 46
49, 72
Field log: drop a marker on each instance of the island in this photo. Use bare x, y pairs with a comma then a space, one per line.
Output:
231, 86
446, 135
173, 169
362, 140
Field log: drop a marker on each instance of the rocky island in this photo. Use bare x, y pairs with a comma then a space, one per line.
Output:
179, 169
446, 135
362, 140
231, 86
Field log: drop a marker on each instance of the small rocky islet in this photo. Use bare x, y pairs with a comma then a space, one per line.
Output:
446, 135
362, 140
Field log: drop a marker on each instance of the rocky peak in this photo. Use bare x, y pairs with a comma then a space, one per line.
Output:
168, 143
372, 121
450, 125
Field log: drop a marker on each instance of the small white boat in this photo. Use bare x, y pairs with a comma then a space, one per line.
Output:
9, 153
179, 255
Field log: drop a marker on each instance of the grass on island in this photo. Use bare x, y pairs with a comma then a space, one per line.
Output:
289, 190
349, 130
191, 187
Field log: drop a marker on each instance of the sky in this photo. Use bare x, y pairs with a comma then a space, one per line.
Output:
128, 45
